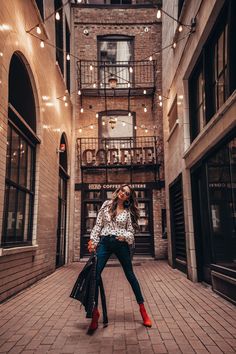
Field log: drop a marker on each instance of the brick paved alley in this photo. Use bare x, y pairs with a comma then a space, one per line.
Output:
187, 317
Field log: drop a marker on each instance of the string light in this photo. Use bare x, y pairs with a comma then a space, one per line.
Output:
57, 16
144, 92
42, 44
79, 92
145, 109
91, 126
130, 69
80, 130
135, 127
160, 104
160, 97
64, 98
158, 14
38, 30
68, 57
94, 85
129, 114
90, 67
146, 131
150, 58
180, 29
97, 115
174, 45
103, 123
81, 110
66, 104
128, 84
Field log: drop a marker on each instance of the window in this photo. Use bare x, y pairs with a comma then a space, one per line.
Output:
20, 159
219, 74
40, 6
173, 114
19, 189
116, 56
59, 35
197, 93
180, 6
67, 61
214, 77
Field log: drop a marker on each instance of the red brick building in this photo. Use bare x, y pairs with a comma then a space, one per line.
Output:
118, 121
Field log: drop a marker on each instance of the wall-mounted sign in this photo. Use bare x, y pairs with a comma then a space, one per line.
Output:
121, 156
113, 186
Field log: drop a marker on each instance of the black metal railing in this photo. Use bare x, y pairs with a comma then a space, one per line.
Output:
117, 2
119, 152
127, 74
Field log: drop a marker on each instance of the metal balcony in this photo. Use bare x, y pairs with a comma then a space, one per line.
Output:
140, 154
132, 77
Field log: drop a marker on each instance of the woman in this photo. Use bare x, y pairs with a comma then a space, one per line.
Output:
114, 231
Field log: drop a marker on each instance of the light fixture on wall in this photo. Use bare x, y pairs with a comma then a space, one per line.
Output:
112, 81
112, 122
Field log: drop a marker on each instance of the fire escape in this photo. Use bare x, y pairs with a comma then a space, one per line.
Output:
138, 158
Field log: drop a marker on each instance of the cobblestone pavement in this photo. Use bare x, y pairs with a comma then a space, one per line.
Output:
187, 317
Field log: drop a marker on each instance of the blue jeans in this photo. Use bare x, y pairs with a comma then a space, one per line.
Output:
107, 246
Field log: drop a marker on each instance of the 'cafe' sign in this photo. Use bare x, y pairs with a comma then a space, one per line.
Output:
121, 156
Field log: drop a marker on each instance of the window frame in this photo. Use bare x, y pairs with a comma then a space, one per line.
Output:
208, 63
115, 38
9, 183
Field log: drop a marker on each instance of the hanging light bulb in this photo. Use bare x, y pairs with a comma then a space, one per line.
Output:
144, 92
42, 44
180, 29
94, 85
97, 115
145, 109
128, 84
66, 104
38, 30
135, 127
64, 98
80, 130
112, 122
68, 57
103, 123
91, 67
79, 92
146, 130
174, 45
160, 104
91, 126
130, 69
57, 16
81, 110
158, 13
160, 97
129, 114
150, 58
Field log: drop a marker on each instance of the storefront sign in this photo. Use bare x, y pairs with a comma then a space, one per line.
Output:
121, 156
114, 186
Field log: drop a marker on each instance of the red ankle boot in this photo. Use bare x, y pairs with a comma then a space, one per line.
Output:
94, 323
146, 320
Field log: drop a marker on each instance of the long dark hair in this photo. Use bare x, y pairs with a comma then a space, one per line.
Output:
131, 204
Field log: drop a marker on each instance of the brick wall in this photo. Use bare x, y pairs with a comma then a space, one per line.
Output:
131, 22
20, 268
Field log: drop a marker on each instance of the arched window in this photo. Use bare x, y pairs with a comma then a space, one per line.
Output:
20, 159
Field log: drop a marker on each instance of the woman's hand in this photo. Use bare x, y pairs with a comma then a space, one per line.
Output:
120, 238
91, 246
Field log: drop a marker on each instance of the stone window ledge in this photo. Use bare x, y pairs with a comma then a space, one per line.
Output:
16, 250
